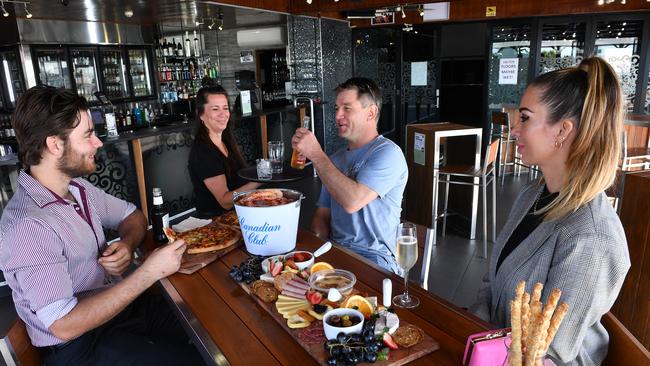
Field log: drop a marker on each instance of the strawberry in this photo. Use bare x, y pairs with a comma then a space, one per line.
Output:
314, 297
276, 268
388, 340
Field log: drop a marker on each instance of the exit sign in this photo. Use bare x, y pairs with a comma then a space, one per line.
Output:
490, 11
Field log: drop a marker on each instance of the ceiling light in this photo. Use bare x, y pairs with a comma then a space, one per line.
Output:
128, 13
398, 8
309, 2
403, 14
5, 13
220, 25
421, 10
198, 23
211, 25
27, 13
601, 2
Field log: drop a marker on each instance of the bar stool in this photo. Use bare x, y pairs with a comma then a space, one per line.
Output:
487, 175
634, 157
501, 130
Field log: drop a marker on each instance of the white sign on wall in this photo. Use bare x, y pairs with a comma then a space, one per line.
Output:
508, 70
419, 73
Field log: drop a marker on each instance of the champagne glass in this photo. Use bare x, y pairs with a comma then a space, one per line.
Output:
407, 255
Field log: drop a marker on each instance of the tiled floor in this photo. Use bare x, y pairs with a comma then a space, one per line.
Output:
456, 266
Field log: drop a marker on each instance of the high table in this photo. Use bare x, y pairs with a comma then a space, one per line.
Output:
228, 326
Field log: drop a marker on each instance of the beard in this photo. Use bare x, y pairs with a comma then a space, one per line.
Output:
75, 164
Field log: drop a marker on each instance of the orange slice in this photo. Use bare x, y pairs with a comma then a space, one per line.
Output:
361, 304
319, 266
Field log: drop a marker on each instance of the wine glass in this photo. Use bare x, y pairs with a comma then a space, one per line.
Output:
407, 255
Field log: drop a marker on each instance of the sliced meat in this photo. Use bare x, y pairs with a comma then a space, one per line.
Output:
292, 287
291, 293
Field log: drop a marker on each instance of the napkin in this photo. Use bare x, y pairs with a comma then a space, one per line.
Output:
189, 224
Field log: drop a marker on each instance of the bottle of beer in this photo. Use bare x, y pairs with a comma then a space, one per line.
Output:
298, 161
159, 217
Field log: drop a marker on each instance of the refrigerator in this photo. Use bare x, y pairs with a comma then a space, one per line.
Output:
140, 71
13, 83
113, 73
84, 71
52, 67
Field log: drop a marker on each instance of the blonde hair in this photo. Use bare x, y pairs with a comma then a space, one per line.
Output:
590, 95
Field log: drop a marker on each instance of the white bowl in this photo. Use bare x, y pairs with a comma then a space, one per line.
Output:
331, 331
304, 264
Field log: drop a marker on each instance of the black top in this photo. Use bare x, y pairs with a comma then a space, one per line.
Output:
207, 161
528, 224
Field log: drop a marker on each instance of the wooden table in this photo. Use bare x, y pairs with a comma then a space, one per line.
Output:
229, 327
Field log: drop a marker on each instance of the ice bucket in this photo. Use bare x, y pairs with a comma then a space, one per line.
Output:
269, 230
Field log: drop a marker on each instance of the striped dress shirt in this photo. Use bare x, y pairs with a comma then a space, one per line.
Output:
49, 249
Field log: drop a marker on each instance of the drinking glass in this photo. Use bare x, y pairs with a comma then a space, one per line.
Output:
276, 155
407, 255
264, 171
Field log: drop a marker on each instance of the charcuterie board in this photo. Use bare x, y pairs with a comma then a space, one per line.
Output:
315, 347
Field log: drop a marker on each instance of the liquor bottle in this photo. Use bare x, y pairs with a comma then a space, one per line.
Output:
137, 115
197, 49
188, 45
179, 48
159, 217
298, 161
127, 120
170, 48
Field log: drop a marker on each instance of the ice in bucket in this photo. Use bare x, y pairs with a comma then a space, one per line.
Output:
268, 219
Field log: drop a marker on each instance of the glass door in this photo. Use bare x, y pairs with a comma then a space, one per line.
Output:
13, 84
139, 72
563, 45
113, 73
510, 49
619, 42
52, 67
84, 70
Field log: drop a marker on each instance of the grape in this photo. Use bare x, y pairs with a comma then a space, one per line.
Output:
371, 357
355, 338
336, 351
332, 361
341, 337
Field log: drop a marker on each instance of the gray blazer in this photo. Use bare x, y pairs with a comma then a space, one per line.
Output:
583, 254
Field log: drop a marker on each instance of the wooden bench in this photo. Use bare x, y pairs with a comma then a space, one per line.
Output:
624, 348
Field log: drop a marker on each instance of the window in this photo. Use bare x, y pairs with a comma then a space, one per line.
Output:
562, 46
508, 42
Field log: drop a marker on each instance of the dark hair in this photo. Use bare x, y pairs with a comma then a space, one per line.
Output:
44, 111
235, 159
367, 91
590, 96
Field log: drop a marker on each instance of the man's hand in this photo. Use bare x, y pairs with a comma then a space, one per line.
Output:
116, 258
306, 143
164, 261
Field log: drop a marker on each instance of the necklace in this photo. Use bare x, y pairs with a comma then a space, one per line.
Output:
543, 197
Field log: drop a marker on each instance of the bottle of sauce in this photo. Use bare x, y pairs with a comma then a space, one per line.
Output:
298, 161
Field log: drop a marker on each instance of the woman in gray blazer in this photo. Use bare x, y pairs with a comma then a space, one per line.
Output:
562, 231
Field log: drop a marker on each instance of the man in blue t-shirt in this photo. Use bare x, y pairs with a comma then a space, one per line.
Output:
361, 196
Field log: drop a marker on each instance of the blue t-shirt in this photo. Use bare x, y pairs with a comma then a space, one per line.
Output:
380, 165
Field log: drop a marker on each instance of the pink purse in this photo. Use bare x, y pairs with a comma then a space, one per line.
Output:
487, 348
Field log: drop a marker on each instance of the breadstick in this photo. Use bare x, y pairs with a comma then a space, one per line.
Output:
549, 308
537, 292
533, 315
525, 318
557, 318
515, 356
536, 339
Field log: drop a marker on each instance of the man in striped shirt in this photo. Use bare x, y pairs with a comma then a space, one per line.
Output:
64, 277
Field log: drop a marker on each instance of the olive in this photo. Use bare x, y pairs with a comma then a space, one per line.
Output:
334, 320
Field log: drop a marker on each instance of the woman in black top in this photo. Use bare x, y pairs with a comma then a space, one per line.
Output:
215, 157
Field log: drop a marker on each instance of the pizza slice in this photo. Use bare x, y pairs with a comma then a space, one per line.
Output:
229, 219
207, 238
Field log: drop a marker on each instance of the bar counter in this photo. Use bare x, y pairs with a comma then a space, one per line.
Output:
229, 327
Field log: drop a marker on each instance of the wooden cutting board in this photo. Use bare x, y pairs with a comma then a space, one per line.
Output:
317, 351
193, 262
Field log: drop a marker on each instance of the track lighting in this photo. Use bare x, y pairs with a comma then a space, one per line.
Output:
309, 2
5, 13
421, 10
220, 26
27, 13
403, 14
211, 25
